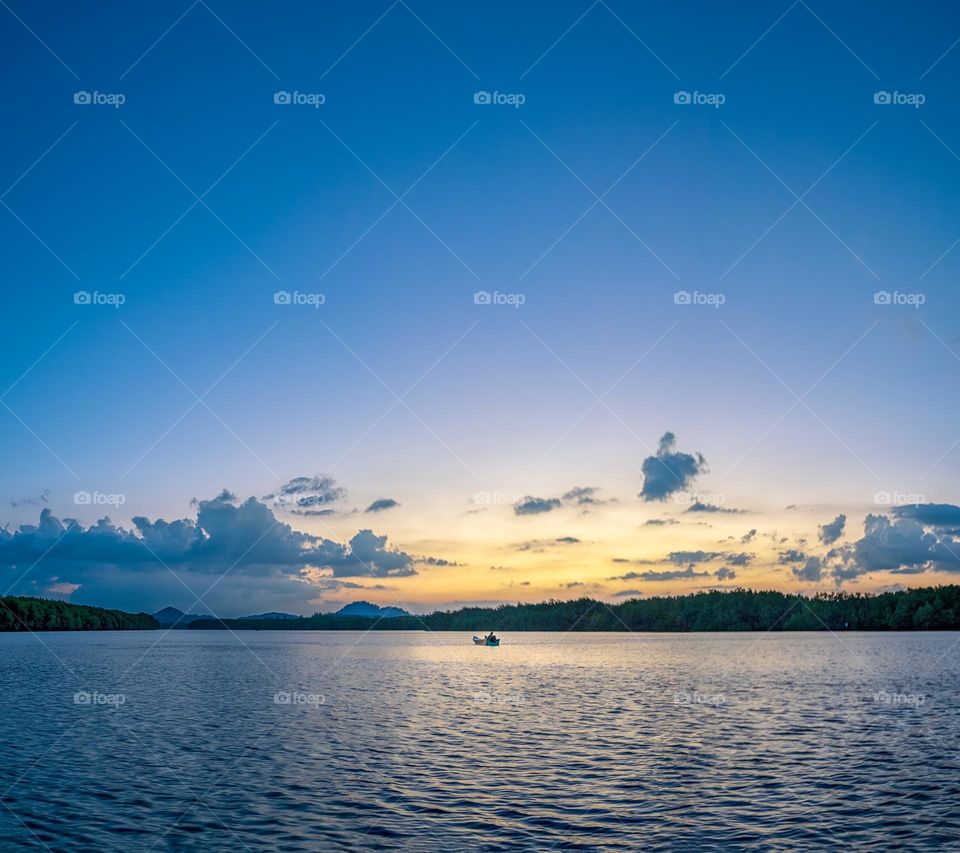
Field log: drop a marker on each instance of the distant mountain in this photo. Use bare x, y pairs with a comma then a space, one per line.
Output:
271, 615
171, 616
371, 611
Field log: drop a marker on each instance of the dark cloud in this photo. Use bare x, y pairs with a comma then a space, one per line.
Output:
791, 555
741, 559
629, 576
673, 575
573, 584
700, 506
535, 506
382, 504
624, 593
660, 522
902, 546
725, 574
669, 471
304, 492
582, 496
811, 570
540, 545
934, 515
243, 539
683, 557
748, 536
436, 561
42, 498
830, 533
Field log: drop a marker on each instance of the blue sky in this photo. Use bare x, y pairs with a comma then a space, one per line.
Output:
501, 394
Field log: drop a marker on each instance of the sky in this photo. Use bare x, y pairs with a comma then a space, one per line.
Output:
429, 304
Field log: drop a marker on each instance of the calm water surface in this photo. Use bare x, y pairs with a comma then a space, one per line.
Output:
333, 741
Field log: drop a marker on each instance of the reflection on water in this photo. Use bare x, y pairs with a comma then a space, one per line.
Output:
326, 741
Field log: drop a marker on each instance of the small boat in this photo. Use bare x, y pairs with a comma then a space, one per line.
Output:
483, 641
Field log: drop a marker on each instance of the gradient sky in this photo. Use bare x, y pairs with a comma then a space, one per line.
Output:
502, 400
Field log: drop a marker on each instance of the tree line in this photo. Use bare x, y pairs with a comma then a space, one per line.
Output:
19, 613
923, 609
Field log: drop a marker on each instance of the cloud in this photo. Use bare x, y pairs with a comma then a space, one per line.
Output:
436, 561
624, 593
684, 557
748, 536
830, 533
673, 575
700, 506
902, 546
245, 540
741, 559
725, 573
42, 498
812, 570
304, 492
582, 496
573, 584
934, 515
660, 522
668, 471
539, 545
535, 506
381, 504
629, 576
791, 555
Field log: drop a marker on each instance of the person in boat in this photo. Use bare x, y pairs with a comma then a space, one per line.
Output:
491, 637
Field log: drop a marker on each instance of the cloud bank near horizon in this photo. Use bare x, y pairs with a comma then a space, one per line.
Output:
242, 539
